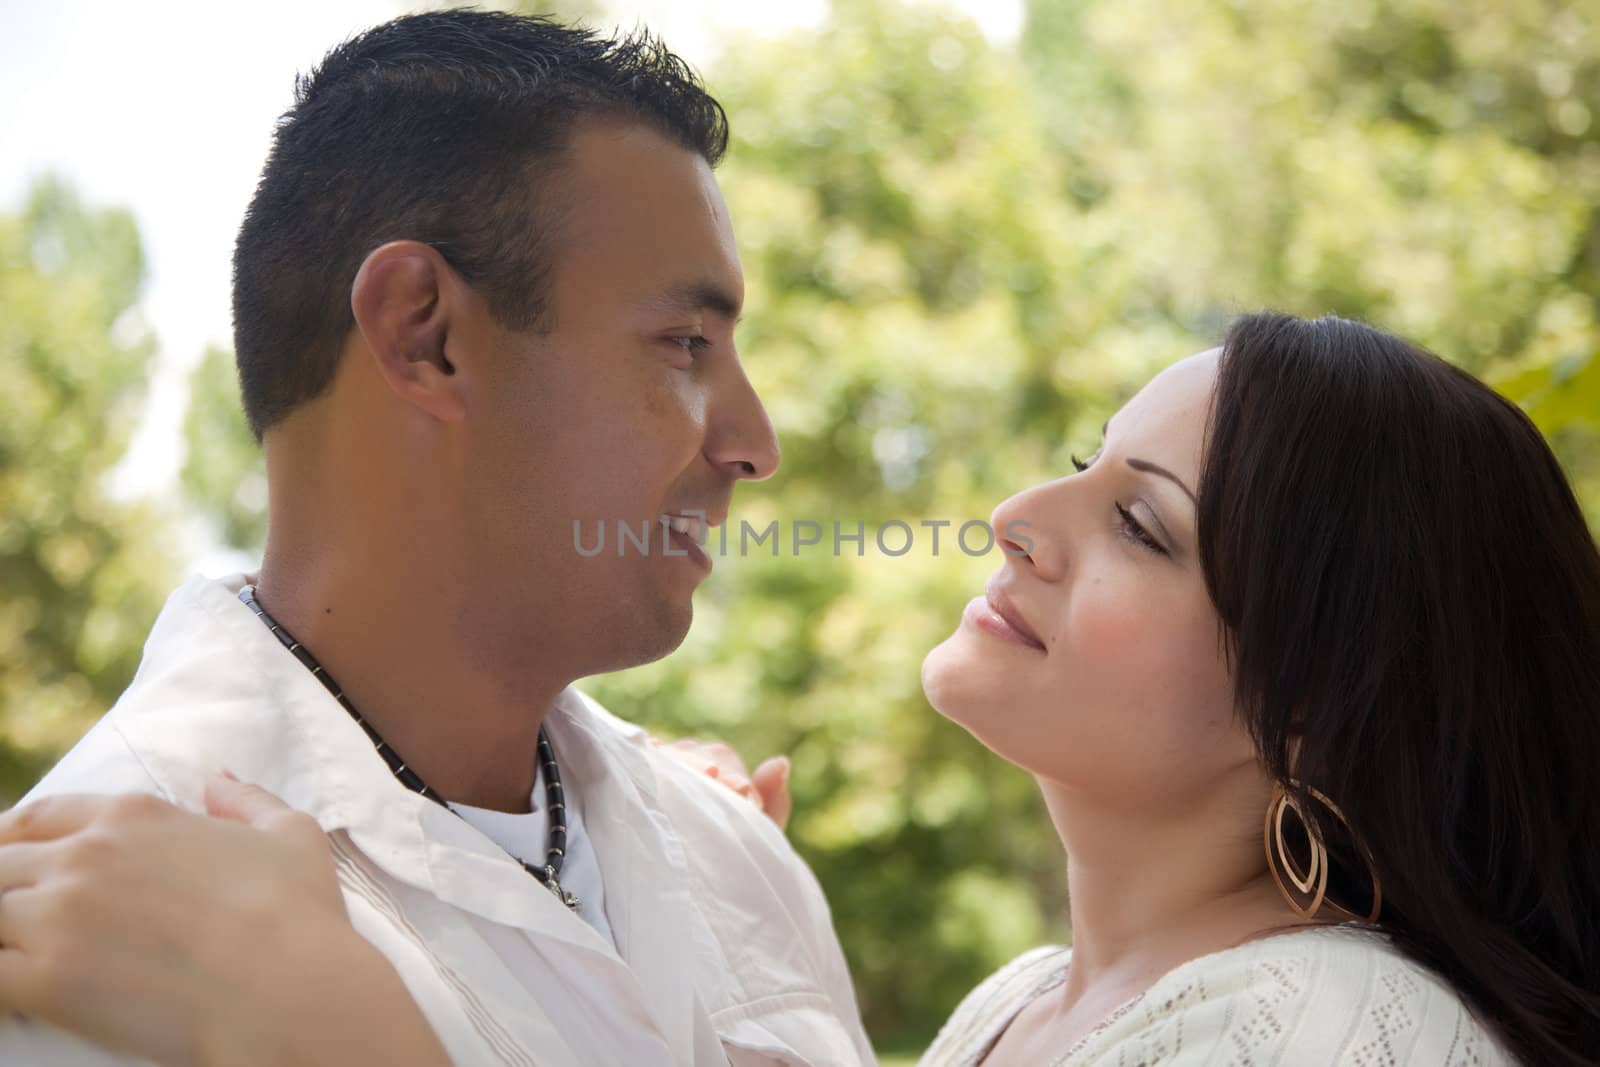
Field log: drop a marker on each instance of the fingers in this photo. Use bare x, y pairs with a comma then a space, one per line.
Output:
20, 917
774, 770
229, 798
19, 982
22, 863
263, 813
22, 866
714, 759
12, 964
771, 780
767, 788
51, 817
727, 759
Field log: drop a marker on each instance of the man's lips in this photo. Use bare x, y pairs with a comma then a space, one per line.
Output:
693, 522
688, 531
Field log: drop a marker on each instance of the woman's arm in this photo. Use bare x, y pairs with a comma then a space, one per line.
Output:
186, 939
220, 940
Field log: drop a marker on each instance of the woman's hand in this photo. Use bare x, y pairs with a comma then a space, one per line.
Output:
188, 939
767, 787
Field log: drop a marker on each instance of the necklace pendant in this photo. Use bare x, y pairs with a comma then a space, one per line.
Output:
553, 884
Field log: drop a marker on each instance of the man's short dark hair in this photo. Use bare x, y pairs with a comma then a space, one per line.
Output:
437, 128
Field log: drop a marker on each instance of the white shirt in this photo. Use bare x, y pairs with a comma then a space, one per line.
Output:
526, 835
1335, 996
724, 952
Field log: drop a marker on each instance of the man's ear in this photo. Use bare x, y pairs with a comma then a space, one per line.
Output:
403, 299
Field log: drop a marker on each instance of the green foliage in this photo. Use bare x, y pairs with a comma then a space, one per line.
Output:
223, 471
81, 576
1431, 167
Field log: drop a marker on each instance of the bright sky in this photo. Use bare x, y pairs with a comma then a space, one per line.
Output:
166, 107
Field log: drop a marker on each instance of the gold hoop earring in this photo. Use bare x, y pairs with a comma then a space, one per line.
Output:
1312, 881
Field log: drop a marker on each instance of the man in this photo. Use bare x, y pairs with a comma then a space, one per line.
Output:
484, 295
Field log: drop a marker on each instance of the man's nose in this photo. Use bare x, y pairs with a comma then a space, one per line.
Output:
739, 435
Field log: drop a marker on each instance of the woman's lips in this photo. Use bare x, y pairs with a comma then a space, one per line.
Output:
995, 614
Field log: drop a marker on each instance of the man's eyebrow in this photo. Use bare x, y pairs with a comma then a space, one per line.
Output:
699, 296
1150, 468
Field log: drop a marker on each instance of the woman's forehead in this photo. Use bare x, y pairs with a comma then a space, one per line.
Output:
1173, 405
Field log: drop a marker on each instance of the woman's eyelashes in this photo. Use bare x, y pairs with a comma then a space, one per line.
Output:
1133, 529
1128, 526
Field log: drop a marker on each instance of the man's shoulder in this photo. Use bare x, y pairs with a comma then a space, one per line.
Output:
197, 703
785, 982
708, 816
733, 854
101, 762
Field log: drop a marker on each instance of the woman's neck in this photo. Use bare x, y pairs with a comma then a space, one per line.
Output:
1151, 889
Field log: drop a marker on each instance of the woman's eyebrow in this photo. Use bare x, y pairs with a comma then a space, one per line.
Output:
1150, 468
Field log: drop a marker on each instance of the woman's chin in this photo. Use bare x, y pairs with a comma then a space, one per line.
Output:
951, 678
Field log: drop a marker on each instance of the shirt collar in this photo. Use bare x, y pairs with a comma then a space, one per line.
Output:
216, 690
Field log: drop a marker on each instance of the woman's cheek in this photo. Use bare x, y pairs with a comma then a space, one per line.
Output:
1109, 628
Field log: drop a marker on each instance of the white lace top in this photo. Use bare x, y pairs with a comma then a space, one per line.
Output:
1327, 996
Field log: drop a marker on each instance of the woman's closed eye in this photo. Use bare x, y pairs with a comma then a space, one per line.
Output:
1133, 529
1128, 526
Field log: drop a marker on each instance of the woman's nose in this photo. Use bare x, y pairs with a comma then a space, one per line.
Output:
1024, 532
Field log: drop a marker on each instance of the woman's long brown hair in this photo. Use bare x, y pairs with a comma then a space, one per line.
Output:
1411, 600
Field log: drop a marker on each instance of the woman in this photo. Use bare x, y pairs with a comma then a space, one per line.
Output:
1306, 661
1322, 584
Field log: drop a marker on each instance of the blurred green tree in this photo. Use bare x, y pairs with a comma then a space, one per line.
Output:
223, 473
1431, 167
81, 574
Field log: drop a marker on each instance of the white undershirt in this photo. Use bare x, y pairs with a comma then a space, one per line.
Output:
527, 837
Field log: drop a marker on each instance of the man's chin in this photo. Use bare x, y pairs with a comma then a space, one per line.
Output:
648, 636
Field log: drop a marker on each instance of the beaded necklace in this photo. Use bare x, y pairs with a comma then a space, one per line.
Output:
550, 874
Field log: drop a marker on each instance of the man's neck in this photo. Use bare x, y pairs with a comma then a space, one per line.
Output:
398, 654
